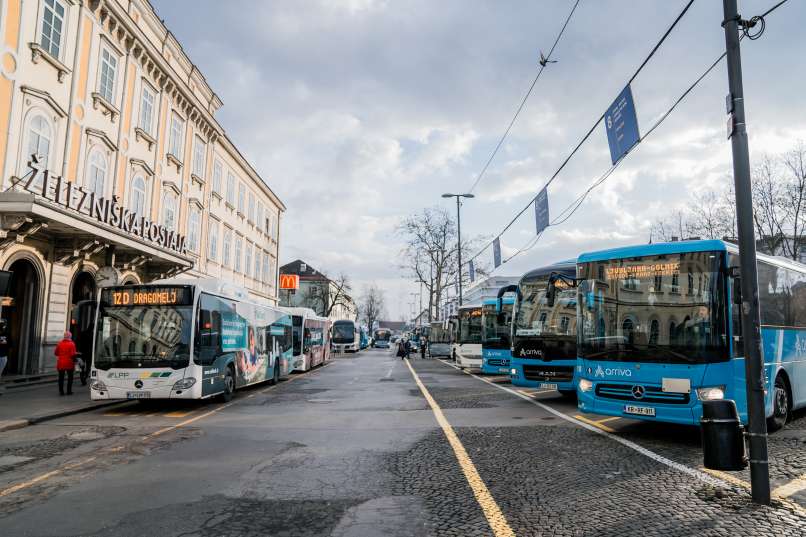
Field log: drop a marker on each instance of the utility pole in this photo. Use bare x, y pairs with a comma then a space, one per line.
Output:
753, 356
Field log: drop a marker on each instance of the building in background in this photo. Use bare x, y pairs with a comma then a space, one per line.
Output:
133, 178
326, 297
477, 292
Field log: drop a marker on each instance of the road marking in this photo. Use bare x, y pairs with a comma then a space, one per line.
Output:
179, 413
701, 476
597, 424
43, 477
793, 487
611, 418
775, 494
495, 518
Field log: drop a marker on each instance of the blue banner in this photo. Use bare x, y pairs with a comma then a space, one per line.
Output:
472, 270
542, 211
497, 252
233, 332
621, 124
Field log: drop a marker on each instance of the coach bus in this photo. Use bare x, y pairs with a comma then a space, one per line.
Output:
661, 331
544, 351
185, 339
311, 339
439, 339
467, 345
345, 336
496, 320
381, 338
363, 338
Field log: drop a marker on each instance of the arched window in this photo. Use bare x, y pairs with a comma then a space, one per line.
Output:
169, 211
654, 332
628, 330
96, 172
138, 195
672, 332
39, 137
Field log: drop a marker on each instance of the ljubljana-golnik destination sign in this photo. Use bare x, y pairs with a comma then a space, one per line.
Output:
66, 194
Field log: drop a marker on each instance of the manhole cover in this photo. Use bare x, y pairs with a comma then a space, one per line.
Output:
10, 460
83, 436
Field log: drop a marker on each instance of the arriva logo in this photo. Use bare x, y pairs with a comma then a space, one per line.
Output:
531, 352
615, 371
599, 371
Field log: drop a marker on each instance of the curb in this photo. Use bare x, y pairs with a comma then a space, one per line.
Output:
10, 425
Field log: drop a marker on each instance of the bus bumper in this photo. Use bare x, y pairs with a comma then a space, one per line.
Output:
518, 378
495, 366
689, 414
471, 363
114, 393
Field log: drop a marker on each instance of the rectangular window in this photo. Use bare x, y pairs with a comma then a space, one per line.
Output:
248, 261
266, 275
231, 189
241, 197
212, 233
52, 27
238, 248
259, 216
176, 136
147, 110
270, 274
218, 172
199, 151
106, 82
268, 223
258, 262
251, 213
194, 222
226, 247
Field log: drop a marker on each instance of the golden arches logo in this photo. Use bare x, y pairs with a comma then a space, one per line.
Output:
289, 281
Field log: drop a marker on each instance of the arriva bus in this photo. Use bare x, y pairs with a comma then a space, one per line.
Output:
381, 338
363, 338
311, 339
439, 339
660, 331
467, 345
185, 339
345, 336
496, 320
544, 335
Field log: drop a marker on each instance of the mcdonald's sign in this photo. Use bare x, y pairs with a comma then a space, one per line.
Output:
289, 281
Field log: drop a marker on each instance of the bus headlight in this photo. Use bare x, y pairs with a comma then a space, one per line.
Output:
98, 385
184, 384
585, 385
514, 372
711, 393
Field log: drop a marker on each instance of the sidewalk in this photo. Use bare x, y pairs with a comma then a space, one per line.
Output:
20, 407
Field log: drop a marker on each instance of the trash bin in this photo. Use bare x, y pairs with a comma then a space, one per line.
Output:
722, 436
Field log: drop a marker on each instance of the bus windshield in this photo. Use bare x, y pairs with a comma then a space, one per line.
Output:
143, 336
383, 335
343, 331
534, 317
496, 325
663, 308
439, 335
470, 326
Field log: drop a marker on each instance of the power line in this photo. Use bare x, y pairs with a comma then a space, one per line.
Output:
590, 131
543, 62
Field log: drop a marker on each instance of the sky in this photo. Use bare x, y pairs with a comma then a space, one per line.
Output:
358, 113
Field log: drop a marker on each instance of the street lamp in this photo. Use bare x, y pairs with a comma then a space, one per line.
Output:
459, 234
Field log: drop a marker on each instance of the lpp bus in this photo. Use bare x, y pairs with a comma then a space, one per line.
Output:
661, 331
496, 320
345, 336
381, 338
439, 339
544, 350
467, 345
311, 339
185, 339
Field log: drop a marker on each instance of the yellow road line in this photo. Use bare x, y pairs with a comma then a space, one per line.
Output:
596, 424
611, 418
793, 487
43, 477
178, 414
495, 518
775, 494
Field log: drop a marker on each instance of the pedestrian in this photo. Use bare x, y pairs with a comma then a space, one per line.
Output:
423, 345
4, 346
65, 362
407, 346
401, 349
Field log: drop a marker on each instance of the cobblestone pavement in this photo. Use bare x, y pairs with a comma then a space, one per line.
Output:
355, 450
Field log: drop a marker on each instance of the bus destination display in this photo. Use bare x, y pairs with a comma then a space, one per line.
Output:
151, 296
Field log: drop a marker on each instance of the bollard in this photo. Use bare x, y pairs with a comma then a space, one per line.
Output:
722, 436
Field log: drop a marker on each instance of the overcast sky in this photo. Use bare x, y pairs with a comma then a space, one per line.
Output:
360, 112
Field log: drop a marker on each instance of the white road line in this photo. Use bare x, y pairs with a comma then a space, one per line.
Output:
702, 476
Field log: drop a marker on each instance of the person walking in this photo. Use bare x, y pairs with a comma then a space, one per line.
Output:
401, 348
5, 343
65, 362
423, 345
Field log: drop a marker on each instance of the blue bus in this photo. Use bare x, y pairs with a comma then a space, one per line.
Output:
544, 351
363, 338
660, 331
496, 319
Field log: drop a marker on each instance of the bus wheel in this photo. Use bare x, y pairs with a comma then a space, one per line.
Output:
229, 385
780, 405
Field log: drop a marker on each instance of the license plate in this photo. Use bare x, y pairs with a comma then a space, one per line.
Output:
639, 410
138, 395
503, 370
549, 386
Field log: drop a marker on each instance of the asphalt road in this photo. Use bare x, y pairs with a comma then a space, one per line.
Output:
370, 446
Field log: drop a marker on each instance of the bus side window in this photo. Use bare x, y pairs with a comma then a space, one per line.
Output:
208, 331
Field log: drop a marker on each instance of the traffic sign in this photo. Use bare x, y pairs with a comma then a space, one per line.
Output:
621, 124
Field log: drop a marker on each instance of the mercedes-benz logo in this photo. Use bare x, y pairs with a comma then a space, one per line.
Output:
138, 384
638, 392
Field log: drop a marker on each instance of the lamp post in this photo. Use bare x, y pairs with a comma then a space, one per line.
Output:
459, 234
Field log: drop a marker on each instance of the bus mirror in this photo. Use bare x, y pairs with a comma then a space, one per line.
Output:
737, 290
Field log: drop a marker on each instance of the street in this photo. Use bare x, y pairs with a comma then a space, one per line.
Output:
368, 446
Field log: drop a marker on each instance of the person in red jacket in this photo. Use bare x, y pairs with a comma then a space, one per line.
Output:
65, 362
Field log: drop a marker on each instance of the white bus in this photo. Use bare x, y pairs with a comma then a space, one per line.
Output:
311, 339
466, 346
346, 336
185, 339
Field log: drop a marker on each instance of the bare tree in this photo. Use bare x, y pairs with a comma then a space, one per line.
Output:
794, 199
372, 305
768, 195
324, 298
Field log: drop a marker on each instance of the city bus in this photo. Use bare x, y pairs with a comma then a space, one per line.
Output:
660, 331
381, 338
345, 336
466, 348
363, 338
544, 350
311, 339
496, 320
439, 339
185, 339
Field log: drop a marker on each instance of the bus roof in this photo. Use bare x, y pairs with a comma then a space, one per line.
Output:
308, 313
657, 248
494, 301
568, 266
